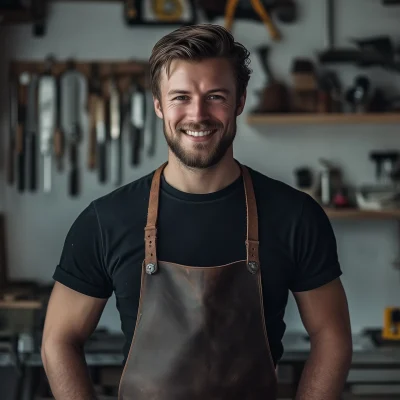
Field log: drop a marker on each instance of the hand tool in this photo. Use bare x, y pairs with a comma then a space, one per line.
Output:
150, 135
59, 137
24, 80
259, 8
31, 131
47, 101
274, 96
94, 95
71, 85
101, 139
391, 328
138, 116
13, 124
115, 132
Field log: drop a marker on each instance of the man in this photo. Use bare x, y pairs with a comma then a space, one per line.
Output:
201, 255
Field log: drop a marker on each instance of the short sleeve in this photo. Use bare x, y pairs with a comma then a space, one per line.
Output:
81, 265
314, 249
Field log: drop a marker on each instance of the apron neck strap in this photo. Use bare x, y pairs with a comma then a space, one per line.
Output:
252, 242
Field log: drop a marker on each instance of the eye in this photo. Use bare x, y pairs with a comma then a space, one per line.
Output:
181, 98
216, 97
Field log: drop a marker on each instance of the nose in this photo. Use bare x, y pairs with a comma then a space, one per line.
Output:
198, 109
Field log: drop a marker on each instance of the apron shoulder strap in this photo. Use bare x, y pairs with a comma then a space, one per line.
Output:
252, 242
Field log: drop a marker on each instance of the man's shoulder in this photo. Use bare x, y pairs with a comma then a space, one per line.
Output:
275, 190
127, 197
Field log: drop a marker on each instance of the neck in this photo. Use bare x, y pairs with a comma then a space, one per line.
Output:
201, 181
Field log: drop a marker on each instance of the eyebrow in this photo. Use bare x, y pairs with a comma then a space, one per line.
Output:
181, 91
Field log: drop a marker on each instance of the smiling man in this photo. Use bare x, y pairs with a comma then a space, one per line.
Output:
201, 255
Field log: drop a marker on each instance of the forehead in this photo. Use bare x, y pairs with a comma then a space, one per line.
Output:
198, 75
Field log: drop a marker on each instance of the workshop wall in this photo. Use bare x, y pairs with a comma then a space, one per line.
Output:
38, 223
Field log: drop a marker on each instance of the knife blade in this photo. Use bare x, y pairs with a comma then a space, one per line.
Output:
47, 99
138, 115
115, 133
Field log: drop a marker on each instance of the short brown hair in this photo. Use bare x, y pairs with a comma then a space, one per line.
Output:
199, 42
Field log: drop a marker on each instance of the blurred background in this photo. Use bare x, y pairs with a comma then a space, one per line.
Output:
77, 121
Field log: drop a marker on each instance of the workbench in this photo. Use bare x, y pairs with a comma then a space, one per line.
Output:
370, 364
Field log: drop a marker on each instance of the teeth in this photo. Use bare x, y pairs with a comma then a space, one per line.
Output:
198, 133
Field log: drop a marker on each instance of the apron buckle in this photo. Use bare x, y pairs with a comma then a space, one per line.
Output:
252, 266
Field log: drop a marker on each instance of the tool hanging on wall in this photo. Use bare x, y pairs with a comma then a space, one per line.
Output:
71, 88
260, 9
31, 134
24, 80
138, 117
94, 96
115, 132
13, 124
160, 12
47, 103
101, 140
59, 137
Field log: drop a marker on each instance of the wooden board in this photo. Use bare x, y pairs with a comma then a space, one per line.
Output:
286, 119
361, 214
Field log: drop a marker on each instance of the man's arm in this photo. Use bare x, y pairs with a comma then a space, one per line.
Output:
325, 315
71, 318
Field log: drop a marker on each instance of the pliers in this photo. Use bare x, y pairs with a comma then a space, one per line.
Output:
259, 8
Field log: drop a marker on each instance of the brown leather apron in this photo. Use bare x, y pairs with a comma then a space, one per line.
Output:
200, 332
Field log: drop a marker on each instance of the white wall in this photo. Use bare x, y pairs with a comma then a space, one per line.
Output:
37, 224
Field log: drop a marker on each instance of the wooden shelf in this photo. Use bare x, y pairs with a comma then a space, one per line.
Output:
282, 119
21, 304
361, 214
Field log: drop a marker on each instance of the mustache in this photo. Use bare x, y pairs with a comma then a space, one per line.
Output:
202, 126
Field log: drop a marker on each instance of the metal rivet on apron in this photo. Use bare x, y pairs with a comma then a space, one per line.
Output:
151, 269
252, 267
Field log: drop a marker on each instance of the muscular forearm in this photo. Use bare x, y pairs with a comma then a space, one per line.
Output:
326, 369
67, 372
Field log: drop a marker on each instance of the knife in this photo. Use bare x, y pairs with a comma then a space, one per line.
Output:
24, 80
47, 99
72, 86
115, 133
138, 114
13, 124
31, 137
95, 95
101, 139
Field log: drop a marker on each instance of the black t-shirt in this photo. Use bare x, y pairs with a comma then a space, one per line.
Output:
104, 249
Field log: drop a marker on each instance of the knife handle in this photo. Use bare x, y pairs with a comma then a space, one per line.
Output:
32, 163
102, 162
136, 146
74, 173
116, 161
20, 147
10, 162
59, 147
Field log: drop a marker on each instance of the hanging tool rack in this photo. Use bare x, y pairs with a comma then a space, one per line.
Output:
111, 94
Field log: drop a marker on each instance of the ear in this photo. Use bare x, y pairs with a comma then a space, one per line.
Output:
158, 108
241, 103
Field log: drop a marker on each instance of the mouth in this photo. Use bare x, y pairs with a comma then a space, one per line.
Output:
199, 136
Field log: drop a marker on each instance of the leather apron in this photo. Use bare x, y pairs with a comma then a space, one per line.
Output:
200, 331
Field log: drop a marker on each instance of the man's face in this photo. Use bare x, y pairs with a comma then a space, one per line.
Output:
199, 109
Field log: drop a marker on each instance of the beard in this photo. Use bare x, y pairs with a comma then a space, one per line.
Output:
201, 156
